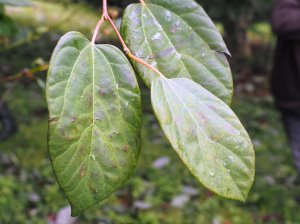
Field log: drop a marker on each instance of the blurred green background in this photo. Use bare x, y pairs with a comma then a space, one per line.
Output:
162, 190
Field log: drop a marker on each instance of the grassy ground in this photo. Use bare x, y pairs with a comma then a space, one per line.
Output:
168, 195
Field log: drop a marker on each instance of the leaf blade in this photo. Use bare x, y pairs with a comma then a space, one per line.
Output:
178, 42
207, 136
95, 119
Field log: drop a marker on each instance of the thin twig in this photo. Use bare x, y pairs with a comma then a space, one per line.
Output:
24, 73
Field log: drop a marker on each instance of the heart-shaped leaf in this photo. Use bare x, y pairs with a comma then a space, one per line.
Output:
16, 2
178, 38
206, 134
95, 119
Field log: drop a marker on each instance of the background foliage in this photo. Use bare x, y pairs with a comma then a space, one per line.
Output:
156, 193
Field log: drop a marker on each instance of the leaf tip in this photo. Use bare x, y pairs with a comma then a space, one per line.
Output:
242, 196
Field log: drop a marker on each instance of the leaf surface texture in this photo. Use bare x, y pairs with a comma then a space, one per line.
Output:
178, 38
206, 134
95, 119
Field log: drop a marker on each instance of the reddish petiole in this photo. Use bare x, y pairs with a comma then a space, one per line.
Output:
105, 17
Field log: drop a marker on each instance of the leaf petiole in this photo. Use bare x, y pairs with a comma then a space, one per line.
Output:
97, 29
105, 17
142, 2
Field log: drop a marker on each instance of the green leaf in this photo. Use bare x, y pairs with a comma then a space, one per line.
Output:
206, 134
179, 39
16, 2
95, 119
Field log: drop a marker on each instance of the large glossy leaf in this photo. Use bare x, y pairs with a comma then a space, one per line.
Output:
206, 134
95, 119
179, 39
16, 2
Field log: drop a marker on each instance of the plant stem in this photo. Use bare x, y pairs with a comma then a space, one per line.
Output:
127, 51
142, 2
24, 73
105, 7
105, 16
97, 29
143, 63
125, 48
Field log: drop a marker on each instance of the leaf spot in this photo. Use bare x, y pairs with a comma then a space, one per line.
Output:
177, 24
101, 92
153, 64
168, 15
156, 36
158, 26
133, 15
173, 30
139, 54
126, 148
82, 173
178, 56
231, 159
